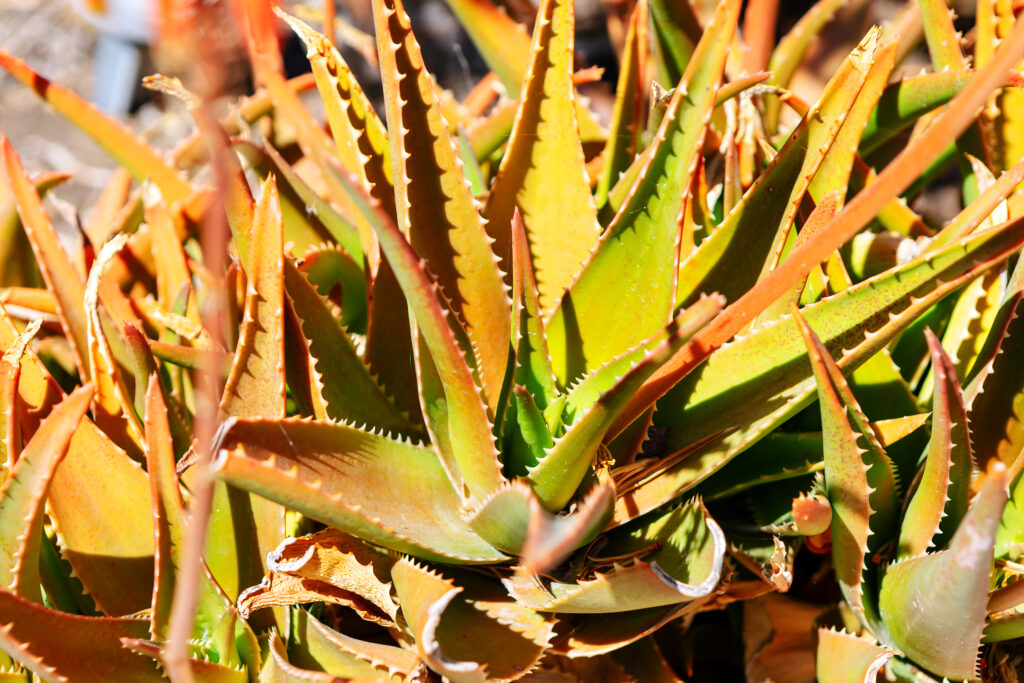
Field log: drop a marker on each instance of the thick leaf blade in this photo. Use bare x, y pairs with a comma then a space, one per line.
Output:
543, 171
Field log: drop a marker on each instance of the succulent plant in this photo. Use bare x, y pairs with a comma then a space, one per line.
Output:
482, 390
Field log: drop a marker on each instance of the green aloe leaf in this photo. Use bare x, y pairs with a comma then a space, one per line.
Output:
435, 207
557, 476
860, 482
596, 322
23, 494
18, 271
741, 251
344, 387
753, 384
460, 622
318, 647
940, 500
543, 154
388, 492
628, 116
944, 635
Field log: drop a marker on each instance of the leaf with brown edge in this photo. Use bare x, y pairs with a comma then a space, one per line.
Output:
626, 290
344, 388
860, 482
105, 529
358, 132
454, 628
89, 649
677, 557
543, 170
328, 559
939, 501
113, 136
10, 372
256, 385
24, 493
61, 277
435, 207
466, 423
844, 658
387, 492
315, 646
944, 635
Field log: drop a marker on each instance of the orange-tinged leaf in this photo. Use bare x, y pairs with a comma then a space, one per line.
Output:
543, 170
61, 647
63, 280
435, 206
466, 425
24, 493
113, 136
105, 529
256, 385
843, 658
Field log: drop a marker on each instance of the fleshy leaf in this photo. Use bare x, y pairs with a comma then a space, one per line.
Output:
770, 364
345, 389
944, 635
467, 424
314, 645
742, 250
860, 481
24, 494
596, 321
390, 493
105, 529
61, 277
454, 633
843, 658
435, 207
89, 649
543, 170
940, 500
682, 560
557, 476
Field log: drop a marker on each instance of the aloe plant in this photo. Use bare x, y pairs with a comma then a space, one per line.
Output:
487, 390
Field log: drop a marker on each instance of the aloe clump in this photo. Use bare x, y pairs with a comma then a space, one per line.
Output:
494, 389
